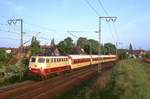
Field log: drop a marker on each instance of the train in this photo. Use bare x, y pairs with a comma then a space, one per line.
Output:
45, 65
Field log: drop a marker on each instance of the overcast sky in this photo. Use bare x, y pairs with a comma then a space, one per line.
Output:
52, 18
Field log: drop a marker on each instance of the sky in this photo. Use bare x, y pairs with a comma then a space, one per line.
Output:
48, 19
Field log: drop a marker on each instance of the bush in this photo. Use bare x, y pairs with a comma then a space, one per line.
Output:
130, 80
4, 57
122, 55
1, 66
147, 55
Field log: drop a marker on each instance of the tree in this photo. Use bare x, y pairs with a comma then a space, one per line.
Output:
82, 42
76, 50
65, 46
90, 46
35, 46
3, 55
130, 49
109, 48
122, 55
53, 42
94, 46
147, 55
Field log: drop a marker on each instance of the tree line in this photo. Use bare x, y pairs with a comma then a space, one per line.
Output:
81, 46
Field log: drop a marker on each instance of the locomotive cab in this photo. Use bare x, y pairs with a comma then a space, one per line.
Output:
37, 64
45, 65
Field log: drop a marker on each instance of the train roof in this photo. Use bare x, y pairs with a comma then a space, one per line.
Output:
107, 55
76, 56
95, 56
79, 56
51, 56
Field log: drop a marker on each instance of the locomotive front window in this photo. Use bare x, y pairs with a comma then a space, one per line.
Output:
33, 59
41, 60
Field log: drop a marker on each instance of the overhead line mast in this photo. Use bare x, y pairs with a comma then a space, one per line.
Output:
14, 21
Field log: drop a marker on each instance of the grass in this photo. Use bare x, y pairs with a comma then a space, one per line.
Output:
129, 81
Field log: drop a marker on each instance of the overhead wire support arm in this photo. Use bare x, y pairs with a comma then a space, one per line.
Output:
108, 19
14, 21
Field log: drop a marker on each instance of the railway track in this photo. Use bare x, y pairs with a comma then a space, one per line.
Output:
14, 86
49, 88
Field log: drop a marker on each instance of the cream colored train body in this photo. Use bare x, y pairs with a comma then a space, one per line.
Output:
46, 65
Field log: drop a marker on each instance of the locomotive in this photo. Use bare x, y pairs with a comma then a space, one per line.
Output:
46, 65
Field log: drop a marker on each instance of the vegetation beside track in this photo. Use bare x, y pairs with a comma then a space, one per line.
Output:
12, 70
129, 79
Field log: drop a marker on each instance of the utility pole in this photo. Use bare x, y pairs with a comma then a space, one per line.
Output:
108, 19
14, 21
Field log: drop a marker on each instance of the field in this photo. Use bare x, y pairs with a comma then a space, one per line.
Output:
128, 79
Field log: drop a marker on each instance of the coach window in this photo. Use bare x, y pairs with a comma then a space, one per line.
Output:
47, 60
55, 59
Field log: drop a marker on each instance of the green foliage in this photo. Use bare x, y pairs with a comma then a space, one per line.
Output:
35, 47
1, 65
82, 42
90, 46
130, 81
94, 46
15, 73
122, 55
130, 49
65, 46
109, 48
147, 55
3, 55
